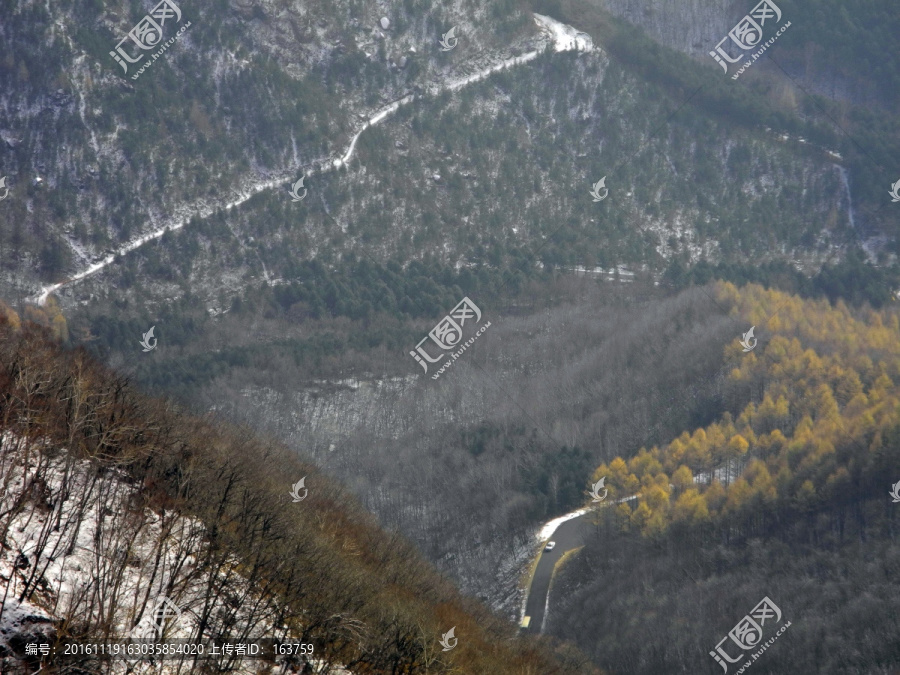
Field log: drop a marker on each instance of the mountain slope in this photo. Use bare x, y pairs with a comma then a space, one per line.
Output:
117, 156
320, 567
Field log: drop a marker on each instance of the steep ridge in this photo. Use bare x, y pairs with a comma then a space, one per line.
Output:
148, 498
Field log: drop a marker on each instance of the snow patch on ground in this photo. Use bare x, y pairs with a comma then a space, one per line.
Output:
74, 535
565, 38
548, 529
22, 622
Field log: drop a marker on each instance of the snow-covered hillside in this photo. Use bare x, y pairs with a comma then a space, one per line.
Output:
79, 548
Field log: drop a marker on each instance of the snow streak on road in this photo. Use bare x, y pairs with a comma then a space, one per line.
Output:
563, 38
547, 530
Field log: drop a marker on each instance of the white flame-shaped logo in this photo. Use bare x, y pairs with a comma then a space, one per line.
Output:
895, 493
446, 638
5, 189
153, 626
595, 490
449, 40
748, 342
597, 187
295, 191
164, 610
296, 487
145, 340
895, 192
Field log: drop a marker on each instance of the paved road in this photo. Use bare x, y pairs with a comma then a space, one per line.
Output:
570, 535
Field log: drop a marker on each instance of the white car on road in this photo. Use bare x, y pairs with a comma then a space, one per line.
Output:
550, 545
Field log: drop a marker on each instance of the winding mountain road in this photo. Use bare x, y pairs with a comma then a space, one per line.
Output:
562, 36
569, 532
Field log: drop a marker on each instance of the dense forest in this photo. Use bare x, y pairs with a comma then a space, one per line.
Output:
833, 82
785, 495
563, 380
285, 327
366, 314
822, 397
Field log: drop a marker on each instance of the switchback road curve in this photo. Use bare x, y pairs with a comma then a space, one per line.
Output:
568, 536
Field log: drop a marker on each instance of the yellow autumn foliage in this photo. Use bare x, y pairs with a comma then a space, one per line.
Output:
825, 394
